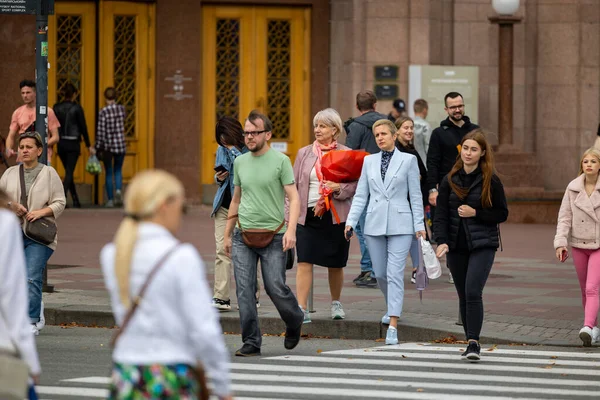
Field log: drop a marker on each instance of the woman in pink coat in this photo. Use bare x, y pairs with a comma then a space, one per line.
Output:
579, 215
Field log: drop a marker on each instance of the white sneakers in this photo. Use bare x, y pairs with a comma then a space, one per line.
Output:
337, 311
38, 326
589, 335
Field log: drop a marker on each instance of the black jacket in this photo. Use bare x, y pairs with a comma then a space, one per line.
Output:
72, 121
472, 233
422, 169
360, 132
443, 151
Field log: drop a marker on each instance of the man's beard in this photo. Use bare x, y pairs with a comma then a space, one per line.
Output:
456, 120
258, 147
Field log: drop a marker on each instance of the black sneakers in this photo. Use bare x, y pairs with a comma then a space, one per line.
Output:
472, 352
292, 337
248, 350
359, 277
367, 281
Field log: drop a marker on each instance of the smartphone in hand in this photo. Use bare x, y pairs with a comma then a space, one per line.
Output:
220, 168
349, 233
564, 255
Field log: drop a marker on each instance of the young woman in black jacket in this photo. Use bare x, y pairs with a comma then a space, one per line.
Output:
406, 134
471, 203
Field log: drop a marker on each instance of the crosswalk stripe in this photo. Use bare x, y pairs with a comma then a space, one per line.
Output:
378, 394
482, 366
488, 357
72, 391
419, 375
402, 383
524, 352
99, 380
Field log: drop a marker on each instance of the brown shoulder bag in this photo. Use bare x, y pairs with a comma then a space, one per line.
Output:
198, 370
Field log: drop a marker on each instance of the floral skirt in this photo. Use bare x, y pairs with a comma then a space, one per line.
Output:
148, 382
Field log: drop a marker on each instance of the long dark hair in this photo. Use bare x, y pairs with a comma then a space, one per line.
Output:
486, 163
229, 132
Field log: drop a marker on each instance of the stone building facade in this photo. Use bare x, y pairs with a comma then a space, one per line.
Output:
196, 60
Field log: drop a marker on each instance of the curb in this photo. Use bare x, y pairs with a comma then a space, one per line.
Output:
270, 323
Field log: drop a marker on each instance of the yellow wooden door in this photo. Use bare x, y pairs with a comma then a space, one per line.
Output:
72, 59
126, 39
127, 64
255, 58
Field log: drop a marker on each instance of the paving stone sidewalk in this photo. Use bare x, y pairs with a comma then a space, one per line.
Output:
529, 298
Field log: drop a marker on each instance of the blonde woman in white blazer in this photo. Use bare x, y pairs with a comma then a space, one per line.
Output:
390, 189
579, 218
45, 199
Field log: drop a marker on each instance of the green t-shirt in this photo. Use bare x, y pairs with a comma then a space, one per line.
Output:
262, 180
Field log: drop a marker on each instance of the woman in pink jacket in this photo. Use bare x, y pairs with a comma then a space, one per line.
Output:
579, 215
320, 236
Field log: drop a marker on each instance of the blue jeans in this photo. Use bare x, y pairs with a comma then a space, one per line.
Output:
36, 257
365, 259
272, 261
113, 164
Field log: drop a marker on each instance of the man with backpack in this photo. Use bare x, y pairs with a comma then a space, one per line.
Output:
360, 137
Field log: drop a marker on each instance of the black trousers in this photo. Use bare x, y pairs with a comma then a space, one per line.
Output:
68, 152
470, 271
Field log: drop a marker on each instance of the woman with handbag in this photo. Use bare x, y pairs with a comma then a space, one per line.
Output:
406, 135
37, 197
18, 355
320, 232
160, 299
578, 226
470, 206
390, 191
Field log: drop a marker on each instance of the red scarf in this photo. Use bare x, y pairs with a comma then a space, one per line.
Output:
324, 203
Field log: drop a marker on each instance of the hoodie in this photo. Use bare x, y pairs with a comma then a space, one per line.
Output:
360, 132
443, 149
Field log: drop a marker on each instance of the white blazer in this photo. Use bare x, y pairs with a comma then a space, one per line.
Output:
389, 211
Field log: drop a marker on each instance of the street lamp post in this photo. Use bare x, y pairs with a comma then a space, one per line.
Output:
505, 20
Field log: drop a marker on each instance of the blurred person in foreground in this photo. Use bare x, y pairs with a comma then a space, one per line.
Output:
158, 290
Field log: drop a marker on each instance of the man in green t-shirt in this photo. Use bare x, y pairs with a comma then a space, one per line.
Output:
262, 179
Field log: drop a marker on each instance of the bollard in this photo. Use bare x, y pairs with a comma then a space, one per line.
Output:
459, 320
310, 296
45, 287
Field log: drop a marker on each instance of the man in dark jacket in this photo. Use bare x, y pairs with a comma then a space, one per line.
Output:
72, 130
444, 142
360, 137
444, 146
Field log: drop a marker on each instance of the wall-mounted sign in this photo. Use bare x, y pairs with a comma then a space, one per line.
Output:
280, 146
386, 92
433, 82
386, 73
178, 79
25, 7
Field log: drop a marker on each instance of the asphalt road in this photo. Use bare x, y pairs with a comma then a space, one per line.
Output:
76, 365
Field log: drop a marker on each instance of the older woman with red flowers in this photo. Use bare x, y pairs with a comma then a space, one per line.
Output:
323, 211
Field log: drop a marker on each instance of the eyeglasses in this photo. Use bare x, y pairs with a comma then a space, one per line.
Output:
455, 108
255, 133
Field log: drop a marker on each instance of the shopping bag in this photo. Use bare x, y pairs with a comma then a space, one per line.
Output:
432, 264
343, 165
93, 165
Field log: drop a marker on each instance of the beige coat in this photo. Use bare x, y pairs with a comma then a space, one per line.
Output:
579, 215
46, 191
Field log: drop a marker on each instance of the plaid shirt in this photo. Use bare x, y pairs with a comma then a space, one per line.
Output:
111, 129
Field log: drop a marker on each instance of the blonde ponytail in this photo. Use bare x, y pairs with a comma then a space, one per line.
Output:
145, 194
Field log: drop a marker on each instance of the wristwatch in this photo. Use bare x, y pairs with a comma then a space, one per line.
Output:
432, 190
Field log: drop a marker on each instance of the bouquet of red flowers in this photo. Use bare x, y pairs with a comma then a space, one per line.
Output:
342, 166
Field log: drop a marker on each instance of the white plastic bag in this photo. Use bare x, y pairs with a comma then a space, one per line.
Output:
432, 264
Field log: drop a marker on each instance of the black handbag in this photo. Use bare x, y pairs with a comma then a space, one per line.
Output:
41, 230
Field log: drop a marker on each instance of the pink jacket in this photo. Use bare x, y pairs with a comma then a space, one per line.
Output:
579, 215
303, 165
